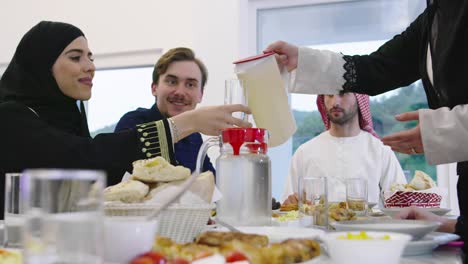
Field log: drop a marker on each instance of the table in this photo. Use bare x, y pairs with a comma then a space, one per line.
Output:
443, 254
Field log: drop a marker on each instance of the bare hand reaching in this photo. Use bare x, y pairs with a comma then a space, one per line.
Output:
414, 213
408, 141
210, 120
287, 54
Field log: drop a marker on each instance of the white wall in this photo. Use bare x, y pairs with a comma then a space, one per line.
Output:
216, 29
210, 27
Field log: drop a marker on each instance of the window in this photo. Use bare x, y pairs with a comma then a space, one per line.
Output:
116, 92
351, 27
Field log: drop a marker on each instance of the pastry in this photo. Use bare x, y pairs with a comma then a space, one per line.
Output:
203, 187
129, 191
158, 170
421, 181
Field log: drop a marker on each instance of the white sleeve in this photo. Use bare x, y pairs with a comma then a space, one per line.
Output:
391, 170
444, 134
318, 72
292, 179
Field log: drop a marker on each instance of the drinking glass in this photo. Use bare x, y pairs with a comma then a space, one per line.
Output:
14, 213
356, 195
235, 93
64, 216
313, 201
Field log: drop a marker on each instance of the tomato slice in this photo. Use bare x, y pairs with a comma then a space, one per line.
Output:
178, 261
235, 256
150, 258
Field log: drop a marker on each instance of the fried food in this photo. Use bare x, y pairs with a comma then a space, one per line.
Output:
250, 245
217, 239
10, 257
289, 207
340, 212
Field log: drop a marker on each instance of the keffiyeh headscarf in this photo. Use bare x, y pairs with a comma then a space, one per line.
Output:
365, 117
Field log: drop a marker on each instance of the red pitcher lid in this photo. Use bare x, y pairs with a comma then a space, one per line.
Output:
238, 136
256, 57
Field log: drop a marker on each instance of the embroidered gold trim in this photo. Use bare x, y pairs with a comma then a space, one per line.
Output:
163, 140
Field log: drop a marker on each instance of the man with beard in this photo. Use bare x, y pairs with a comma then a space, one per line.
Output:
350, 148
178, 82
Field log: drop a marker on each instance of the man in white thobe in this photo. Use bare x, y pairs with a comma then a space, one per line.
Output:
349, 148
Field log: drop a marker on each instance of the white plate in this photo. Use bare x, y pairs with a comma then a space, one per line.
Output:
277, 211
428, 243
317, 260
416, 228
280, 233
393, 211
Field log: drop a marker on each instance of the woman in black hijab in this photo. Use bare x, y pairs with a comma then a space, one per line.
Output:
44, 121
434, 49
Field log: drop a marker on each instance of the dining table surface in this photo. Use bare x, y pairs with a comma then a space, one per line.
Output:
447, 254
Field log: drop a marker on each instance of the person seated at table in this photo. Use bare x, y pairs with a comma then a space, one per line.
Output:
349, 148
179, 79
45, 126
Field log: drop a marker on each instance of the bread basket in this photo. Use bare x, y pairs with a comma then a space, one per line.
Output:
180, 222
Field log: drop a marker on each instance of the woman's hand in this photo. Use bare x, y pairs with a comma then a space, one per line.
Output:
210, 120
287, 54
408, 141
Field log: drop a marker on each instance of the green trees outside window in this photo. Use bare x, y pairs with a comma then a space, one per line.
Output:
384, 108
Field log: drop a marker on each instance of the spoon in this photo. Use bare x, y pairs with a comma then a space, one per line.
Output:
228, 226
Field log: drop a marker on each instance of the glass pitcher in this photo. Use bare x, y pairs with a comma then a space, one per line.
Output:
243, 176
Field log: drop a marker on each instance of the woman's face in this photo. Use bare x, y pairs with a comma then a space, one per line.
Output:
74, 70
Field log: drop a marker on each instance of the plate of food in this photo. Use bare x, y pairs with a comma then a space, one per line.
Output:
280, 233
221, 247
393, 211
416, 228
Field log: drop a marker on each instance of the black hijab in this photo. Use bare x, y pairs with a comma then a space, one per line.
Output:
29, 80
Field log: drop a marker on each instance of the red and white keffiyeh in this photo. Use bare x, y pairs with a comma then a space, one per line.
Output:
365, 117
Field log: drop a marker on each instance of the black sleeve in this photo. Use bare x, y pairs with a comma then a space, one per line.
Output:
28, 142
394, 64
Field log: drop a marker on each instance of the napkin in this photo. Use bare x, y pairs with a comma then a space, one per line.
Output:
267, 96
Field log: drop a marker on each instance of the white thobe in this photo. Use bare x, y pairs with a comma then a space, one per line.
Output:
340, 158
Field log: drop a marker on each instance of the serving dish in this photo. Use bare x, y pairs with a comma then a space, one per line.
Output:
394, 210
415, 228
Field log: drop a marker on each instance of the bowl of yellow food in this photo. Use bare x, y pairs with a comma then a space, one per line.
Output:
365, 247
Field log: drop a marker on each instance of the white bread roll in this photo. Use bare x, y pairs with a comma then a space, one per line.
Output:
421, 181
127, 191
203, 187
158, 170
